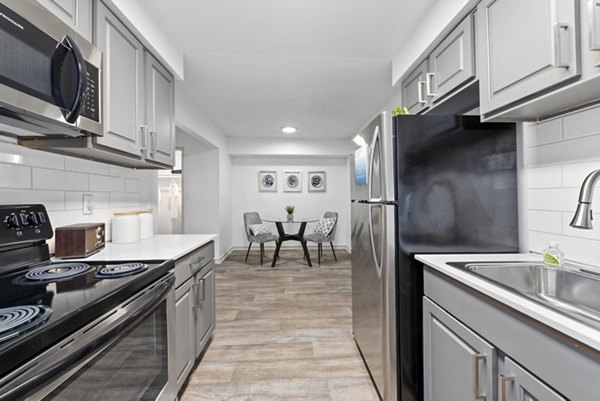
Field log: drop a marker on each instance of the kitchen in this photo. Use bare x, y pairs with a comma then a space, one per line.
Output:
102, 94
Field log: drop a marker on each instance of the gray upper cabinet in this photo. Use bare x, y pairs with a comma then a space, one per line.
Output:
160, 110
458, 364
75, 13
413, 90
123, 97
516, 384
452, 62
525, 47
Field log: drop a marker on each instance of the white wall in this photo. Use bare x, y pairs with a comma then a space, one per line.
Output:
59, 182
290, 146
189, 118
247, 198
558, 155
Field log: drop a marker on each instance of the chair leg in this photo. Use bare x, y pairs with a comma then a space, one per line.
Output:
333, 250
262, 252
248, 252
319, 249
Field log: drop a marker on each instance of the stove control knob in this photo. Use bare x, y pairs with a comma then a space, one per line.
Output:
41, 217
33, 219
13, 221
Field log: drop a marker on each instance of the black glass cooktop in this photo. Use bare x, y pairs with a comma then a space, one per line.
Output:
70, 295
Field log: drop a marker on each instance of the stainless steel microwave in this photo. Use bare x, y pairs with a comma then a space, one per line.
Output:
49, 76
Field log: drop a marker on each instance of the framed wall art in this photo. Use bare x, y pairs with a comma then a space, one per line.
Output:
292, 181
317, 181
267, 181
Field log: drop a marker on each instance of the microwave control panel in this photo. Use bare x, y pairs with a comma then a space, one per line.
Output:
91, 105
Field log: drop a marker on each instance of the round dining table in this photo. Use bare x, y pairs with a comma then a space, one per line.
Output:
283, 236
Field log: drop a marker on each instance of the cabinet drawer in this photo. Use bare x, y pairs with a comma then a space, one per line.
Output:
192, 263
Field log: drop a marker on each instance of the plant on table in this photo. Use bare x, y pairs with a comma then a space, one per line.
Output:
290, 209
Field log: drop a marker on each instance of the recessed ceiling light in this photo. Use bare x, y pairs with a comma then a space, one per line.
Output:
289, 130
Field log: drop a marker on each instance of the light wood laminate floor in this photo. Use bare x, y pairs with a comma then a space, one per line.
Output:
283, 333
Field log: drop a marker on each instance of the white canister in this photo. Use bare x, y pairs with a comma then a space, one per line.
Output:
125, 228
146, 224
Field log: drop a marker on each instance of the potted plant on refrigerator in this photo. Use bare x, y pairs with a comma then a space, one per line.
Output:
290, 212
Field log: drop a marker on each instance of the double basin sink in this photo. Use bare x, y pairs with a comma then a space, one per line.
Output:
575, 293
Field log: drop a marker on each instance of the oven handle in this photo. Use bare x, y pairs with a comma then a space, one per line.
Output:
60, 359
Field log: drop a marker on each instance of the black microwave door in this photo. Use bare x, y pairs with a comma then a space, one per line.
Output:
69, 79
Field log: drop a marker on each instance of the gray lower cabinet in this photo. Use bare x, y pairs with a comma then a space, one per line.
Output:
413, 90
123, 74
194, 308
77, 14
452, 62
525, 47
458, 364
184, 320
160, 111
516, 384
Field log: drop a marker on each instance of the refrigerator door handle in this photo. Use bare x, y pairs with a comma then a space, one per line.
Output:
376, 145
378, 260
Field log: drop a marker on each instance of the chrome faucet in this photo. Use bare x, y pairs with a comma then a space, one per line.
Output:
583, 215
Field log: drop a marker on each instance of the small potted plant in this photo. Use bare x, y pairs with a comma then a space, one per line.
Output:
290, 212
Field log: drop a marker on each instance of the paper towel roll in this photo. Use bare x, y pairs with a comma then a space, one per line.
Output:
146, 224
125, 228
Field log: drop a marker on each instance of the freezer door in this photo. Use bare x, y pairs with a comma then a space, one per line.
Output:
368, 286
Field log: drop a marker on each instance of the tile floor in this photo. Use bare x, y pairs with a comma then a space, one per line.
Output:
282, 334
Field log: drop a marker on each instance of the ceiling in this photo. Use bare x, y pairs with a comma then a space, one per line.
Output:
323, 66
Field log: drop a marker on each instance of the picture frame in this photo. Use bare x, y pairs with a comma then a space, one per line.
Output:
267, 181
317, 181
292, 181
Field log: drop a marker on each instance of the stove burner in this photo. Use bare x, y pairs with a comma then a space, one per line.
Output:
57, 271
18, 319
127, 269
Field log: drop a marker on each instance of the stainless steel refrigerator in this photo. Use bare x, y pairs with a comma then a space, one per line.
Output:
421, 184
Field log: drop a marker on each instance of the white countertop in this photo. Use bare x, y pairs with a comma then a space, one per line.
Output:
159, 247
564, 324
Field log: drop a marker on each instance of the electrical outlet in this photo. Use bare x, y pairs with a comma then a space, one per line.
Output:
88, 204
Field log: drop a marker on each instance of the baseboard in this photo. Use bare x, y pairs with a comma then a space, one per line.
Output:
222, 258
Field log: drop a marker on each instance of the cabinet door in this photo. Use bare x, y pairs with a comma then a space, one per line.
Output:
160, 110
516, 384
458, 364
526, 47
123, 84
75, 13
413, 90
184, 333
205, 318
452, 62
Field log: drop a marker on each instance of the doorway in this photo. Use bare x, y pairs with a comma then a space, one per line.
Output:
170, 197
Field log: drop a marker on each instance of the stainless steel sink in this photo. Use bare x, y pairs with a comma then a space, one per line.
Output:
572, 292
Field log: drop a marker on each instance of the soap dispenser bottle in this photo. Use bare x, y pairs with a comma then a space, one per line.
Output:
553, 256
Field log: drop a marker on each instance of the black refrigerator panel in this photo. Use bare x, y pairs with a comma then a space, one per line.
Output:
456, 187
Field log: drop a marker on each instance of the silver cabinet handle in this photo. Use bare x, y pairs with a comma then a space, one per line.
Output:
420, 91
429, 77
143, 138
562, 45
203, 286
502, 381
477, 358
153, 143
594, 26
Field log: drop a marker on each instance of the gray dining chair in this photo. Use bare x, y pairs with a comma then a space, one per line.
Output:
254, 218
319, 239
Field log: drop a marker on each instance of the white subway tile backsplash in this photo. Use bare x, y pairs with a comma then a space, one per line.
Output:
575, 173
583, 123
74, 200
549, 222
132, 185
53, 200
17, 177
556, 167
119, 199
546, 132
56, 179
107, 183
86, 166
15, 154
545, 177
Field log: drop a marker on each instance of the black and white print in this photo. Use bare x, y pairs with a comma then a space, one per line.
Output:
292, 181
317, 181
267, 181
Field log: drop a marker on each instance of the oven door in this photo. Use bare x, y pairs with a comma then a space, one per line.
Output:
122, 356
46, 82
